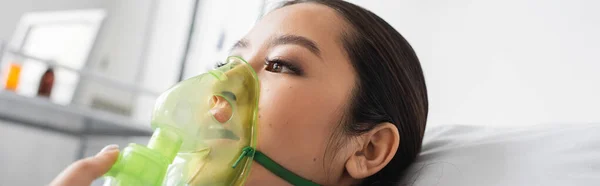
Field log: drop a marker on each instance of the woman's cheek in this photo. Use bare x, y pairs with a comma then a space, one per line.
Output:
276, 103
285, 118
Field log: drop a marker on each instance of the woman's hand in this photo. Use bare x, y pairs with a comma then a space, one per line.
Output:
83, 172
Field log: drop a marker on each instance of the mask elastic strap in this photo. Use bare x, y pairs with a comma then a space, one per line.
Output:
274, 167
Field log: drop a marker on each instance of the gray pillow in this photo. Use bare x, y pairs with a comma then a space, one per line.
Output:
544, 155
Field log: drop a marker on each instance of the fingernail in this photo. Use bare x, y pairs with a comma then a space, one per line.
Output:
109, 148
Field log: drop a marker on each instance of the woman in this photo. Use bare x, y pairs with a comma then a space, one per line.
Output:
343, 97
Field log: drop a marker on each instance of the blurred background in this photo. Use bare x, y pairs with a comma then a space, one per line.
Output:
76, 75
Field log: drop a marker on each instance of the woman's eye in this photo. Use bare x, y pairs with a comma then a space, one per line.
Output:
278, 66
274, 66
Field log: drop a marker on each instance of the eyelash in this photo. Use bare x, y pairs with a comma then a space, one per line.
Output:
220, 64
293, 68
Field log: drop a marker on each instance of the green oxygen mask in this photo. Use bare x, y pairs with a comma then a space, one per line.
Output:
204, 133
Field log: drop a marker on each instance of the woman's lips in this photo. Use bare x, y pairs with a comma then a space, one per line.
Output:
221, 134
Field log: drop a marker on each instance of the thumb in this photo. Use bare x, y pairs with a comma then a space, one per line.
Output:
83, 172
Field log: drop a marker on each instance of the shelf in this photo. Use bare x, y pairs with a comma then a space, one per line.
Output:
68, 119
92, 75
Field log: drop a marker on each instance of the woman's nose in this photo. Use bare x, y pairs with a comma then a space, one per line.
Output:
256, 61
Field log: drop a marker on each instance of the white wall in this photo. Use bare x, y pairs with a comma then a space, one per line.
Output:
31, 156
504, 63
169, 34
11, 10
223, 21
142, 44
118, 52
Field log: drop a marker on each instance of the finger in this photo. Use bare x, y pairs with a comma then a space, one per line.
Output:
84, 171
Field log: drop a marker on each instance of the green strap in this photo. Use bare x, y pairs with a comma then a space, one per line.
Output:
275, 168
278, 170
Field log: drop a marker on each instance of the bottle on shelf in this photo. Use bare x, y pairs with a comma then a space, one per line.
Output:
13, 74
46, 83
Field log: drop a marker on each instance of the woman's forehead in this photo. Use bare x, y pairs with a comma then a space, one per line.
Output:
318, 23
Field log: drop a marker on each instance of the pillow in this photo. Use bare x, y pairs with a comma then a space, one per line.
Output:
544, 155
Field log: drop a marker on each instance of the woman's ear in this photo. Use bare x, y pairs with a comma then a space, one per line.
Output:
376, 149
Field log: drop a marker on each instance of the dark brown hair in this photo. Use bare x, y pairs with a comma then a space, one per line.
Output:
390, 88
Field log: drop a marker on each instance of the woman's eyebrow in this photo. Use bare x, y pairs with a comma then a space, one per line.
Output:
296, 40
242, 43
284, 40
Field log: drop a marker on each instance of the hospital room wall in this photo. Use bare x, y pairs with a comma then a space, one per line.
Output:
147, 53
33, 157
121, 45
141, 42
10, 16
504, 63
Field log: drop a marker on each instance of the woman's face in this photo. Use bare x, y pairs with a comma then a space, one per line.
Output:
306, 82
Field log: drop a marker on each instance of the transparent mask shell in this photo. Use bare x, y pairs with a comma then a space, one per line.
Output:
215, 114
